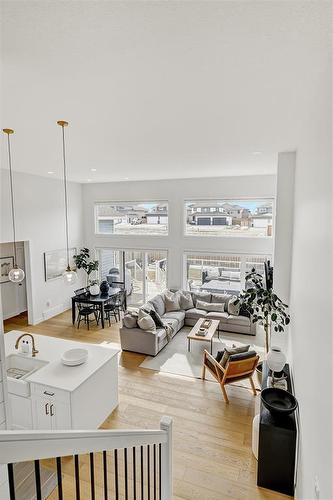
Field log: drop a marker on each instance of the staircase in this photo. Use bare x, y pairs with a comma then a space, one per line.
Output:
121, 464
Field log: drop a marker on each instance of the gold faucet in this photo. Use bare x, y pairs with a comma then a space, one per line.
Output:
34, 350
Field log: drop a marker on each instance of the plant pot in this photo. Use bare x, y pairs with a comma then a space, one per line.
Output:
94, 289
259, 372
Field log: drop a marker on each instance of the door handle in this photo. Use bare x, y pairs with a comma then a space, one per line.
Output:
51, 410
47, 408
49, 393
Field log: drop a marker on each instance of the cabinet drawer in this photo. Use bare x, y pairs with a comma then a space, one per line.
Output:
50, 392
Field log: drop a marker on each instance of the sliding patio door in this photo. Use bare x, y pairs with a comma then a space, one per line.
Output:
145, 271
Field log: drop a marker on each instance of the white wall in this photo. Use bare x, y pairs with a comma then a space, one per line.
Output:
175, 192
14, 297
4, 420
311, 277
39, 209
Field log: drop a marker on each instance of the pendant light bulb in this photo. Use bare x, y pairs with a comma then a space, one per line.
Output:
16, 275
69, 277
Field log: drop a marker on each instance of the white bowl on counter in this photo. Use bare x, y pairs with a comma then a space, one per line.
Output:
74, 357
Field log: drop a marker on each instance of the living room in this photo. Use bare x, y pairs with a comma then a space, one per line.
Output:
196, 149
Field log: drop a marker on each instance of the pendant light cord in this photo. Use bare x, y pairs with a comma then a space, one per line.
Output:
65, 189
12, 198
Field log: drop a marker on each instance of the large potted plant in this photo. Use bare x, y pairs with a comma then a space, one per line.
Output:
264, 306
83, 261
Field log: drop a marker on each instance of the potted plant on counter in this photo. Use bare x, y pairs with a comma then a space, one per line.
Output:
83, 261
264, 306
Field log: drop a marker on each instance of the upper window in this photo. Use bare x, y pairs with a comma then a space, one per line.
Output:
144, 218
229, 218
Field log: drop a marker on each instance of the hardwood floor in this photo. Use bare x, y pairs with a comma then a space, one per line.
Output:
212, 457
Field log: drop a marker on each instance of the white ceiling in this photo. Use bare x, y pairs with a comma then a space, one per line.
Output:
154, 89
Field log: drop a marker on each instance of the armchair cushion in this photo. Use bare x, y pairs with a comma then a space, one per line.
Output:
228, 351
242, 355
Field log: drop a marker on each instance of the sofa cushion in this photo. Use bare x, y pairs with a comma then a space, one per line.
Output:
158, 304
221, 316
204, 296
207, 306
185, 300
178, 315
221, 298
238, 320
171, 301
233, 307
172, 322
195, 313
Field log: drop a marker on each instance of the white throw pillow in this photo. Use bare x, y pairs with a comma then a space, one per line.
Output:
185, 301
146, 322
213, 272
232, 307
210, 306
171, 301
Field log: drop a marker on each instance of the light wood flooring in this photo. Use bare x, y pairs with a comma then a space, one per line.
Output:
212, 457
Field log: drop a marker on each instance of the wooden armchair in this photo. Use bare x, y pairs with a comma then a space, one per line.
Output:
239, 367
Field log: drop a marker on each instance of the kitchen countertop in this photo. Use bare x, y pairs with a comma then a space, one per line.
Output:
55, 374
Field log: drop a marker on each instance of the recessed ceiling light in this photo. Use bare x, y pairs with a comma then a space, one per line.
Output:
50, 173
126, 178
256, 152
93, 169
88, 180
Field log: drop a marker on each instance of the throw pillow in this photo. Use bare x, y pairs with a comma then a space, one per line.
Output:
219, 355
156, 318
145, 321
171, 301
207, 306
185, 301
232, 350
213, 272
158, 304
233, 308
130, 320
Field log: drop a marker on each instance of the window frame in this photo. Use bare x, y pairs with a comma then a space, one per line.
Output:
242, 255
112, 235
272, 199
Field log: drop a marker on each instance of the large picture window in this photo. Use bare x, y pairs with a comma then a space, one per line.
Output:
132, 218
229, 218
220, 273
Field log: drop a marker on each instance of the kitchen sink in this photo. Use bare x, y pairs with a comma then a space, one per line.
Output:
18, 368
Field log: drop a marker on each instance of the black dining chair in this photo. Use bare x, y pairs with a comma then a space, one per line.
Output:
84, 313
110, 309
120, 302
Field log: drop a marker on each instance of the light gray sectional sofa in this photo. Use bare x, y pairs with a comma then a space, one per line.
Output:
152, 341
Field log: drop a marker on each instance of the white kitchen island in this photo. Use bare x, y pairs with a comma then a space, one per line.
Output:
56, 396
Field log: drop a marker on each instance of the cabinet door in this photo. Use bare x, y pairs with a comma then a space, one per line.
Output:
60, 415
41, 413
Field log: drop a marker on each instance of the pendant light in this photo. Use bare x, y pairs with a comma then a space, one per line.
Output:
16, 275
69, 276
